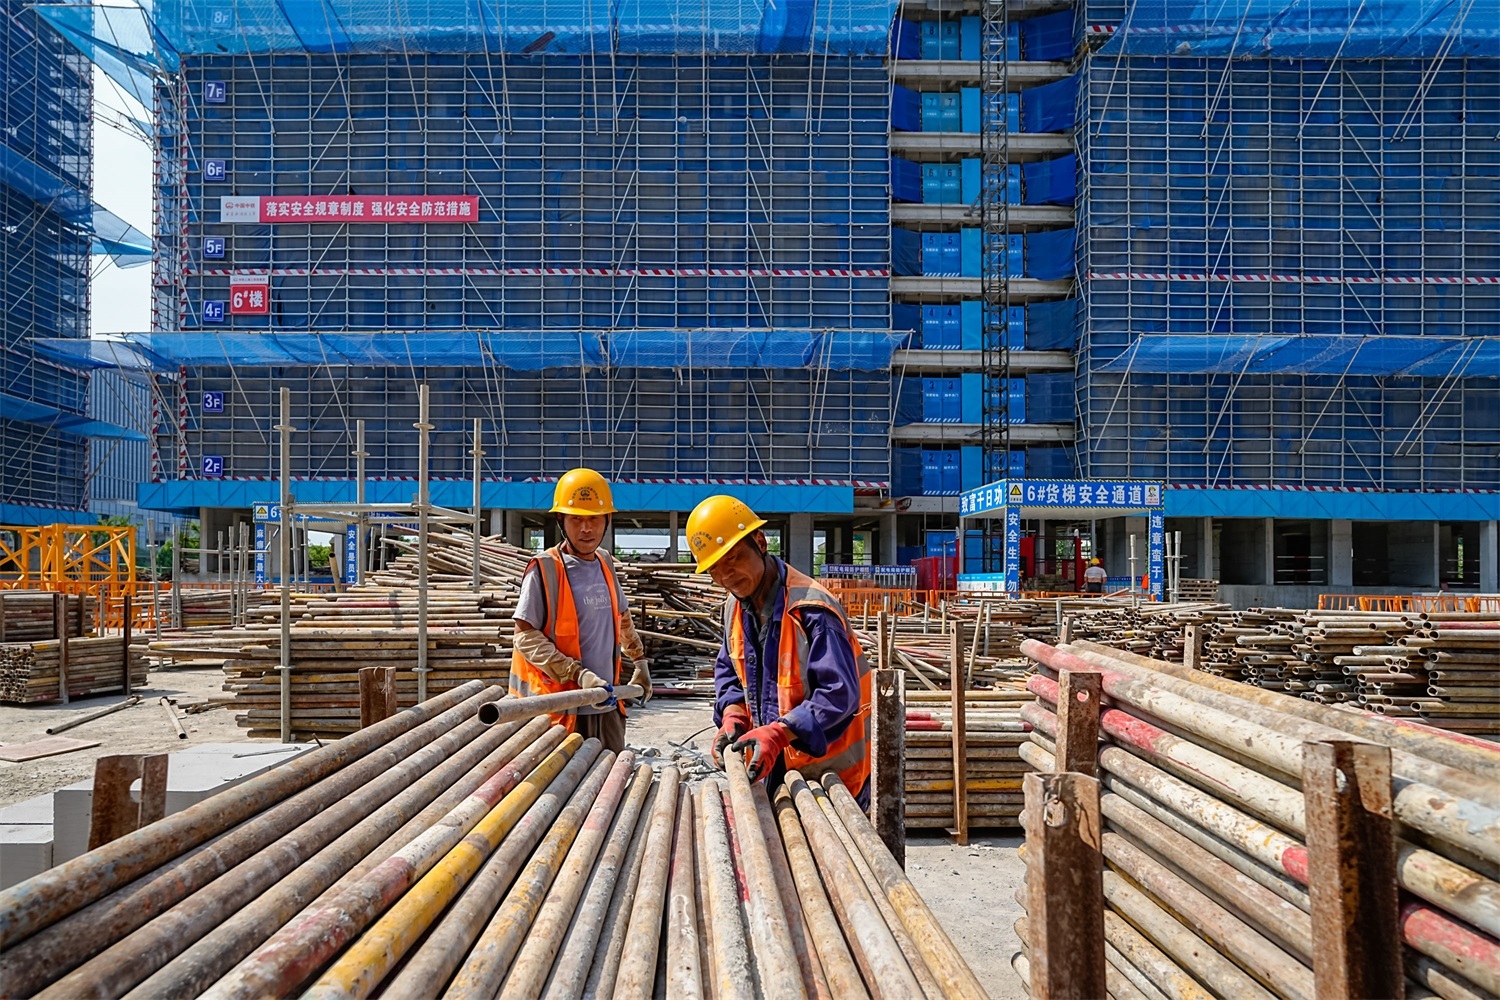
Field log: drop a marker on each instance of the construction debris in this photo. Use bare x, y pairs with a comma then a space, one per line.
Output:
430, 854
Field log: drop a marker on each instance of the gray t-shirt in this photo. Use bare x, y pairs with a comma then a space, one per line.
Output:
596, 626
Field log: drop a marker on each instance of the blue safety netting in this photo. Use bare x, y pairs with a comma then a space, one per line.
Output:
29, 412
1052, 107
119, 40
174, 28
1052, 326
1050, 182
111, 234
1432, 357
519, 350
1351, 29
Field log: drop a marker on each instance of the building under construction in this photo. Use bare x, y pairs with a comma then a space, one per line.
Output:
845, 260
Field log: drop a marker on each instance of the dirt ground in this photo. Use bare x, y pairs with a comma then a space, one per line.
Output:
970, 889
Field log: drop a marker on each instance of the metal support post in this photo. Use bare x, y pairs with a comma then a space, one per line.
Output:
423, 445
114, 812
478, 454
1192, 647
1135, 596
1078, 693
1064, 886
60, 626
361, 557
285, 547
125, 630
219, 558
176, 575
958, 707
1351, 856
155, 577
888, 761
377, 695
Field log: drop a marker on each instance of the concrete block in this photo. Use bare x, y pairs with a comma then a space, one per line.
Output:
25, 840
193, 775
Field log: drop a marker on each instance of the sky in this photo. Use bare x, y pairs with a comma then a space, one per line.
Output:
122, 184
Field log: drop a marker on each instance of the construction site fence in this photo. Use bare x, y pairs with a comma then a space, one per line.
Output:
1471, 603
148, 601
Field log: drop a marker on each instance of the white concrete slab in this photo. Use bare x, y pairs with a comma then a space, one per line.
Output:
25, 840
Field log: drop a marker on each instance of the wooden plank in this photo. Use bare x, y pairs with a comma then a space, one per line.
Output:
1064, 886
1357, 943
17, 753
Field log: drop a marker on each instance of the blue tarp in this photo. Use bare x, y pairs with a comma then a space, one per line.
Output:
111, 234
525, 350
1292, 29
119, 239
1430, 357
28, 412
1047, 37
130, 49
1051, 182
1052, 326
1052, 107
1049, 255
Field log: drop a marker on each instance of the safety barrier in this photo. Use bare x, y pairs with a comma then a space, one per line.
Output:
1416, 603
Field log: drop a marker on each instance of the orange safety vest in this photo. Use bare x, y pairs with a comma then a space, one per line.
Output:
561, 627
849, 755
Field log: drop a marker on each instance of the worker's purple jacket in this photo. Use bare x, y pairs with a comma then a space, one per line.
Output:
833, 697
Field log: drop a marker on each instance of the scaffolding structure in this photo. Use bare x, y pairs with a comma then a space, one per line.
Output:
46, 173
1346, 209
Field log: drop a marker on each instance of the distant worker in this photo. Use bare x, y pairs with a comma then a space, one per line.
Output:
1094, 577
572, 623
792, 685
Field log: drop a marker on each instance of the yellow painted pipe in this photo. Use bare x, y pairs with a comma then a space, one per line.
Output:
360, 969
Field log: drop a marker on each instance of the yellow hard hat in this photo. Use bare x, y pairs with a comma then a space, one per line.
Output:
582, 491
716, 525
1094, 562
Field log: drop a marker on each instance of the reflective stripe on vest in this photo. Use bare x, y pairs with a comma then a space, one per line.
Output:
849, 755
561, 627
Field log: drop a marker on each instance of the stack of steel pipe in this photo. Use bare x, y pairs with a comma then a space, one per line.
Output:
1207, 869
31, 615
434, 854
29, 671
994, 732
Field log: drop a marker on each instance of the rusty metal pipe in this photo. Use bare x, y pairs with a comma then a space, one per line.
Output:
512, 709
376, 838
1161, 971
575, 956
684, 976
46, 898
954, 976
489, 960
1187, 949
311, 815
813, 980
291, 955
609, 949
823, 925
528, 976
731, 976
1119, 987
890, 975
637, 972
1263, 959
1435, 798
1122, 967
1444, 982
770, 934
363, 789
1437, 879
361, 968
1453, 749
1473, 955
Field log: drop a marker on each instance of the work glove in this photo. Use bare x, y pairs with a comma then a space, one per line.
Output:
765, 744
736, 723
631, 646
642, 676
588, 679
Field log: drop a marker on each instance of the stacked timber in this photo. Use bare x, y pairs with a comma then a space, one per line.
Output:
1206, 884
30, 615
994, 733
201, 607
29, 670
467, 860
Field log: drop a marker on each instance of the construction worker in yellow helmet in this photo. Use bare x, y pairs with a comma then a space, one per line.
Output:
1095, 577
792, 685
572, 623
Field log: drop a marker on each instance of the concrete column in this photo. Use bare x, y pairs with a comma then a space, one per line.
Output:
512, 527
1270, 552
1489, 557
1205, 569
1437, 554
672, 528
888, 539
799, 543
1341, 554
1412, 553
496, 519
